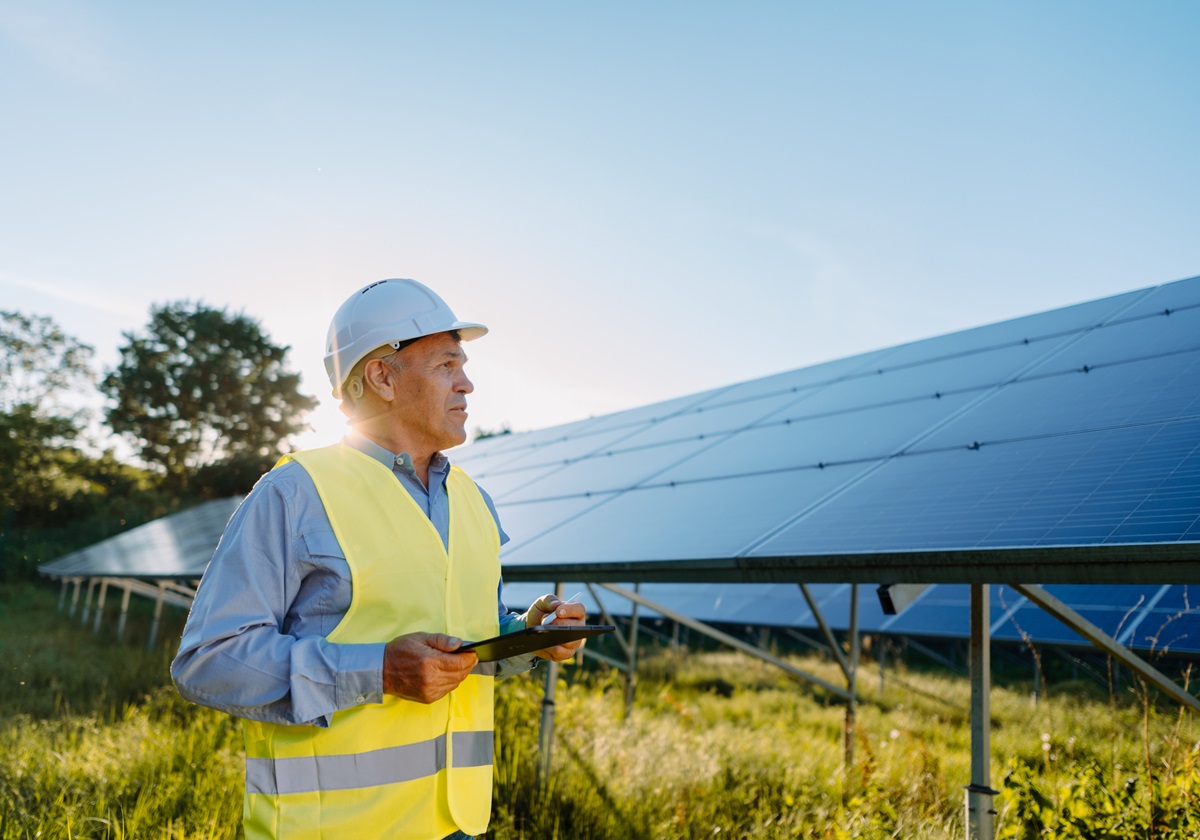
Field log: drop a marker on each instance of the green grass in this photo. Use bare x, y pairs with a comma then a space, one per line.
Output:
97, 745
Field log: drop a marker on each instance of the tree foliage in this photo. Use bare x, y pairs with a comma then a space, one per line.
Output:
39, 364
201, 387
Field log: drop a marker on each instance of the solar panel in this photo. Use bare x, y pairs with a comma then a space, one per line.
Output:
986, 452
1159, 619
175, 546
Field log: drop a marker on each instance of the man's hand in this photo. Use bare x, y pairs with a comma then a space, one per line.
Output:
423, 666
564, 614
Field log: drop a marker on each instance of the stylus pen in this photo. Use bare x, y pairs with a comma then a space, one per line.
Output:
554, 614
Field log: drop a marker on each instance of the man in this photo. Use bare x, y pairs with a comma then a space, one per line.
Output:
331, 612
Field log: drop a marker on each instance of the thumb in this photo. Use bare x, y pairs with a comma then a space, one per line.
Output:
444, 643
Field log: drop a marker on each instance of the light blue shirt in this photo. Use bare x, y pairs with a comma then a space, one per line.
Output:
278, 584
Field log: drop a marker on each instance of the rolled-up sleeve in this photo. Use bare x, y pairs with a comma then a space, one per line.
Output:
236, 653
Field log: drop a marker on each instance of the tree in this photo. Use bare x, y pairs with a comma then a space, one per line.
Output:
39, 363
202, 386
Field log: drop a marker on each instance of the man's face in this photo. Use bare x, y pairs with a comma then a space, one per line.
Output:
431, 390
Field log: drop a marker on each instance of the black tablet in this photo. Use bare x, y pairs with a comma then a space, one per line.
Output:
532, 639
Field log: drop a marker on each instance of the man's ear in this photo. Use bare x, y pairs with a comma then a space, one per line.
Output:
379, 377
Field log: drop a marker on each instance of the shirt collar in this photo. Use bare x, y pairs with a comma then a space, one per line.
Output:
439, 465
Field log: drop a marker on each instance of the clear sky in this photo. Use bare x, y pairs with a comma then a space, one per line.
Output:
641, 199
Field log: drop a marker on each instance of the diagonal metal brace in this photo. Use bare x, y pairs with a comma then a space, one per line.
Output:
834, 648
725, 638
1105, 642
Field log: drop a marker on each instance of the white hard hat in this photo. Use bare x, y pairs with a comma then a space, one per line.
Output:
386, 312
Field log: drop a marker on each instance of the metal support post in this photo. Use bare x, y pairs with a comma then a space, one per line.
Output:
87, 602
852, 680
62, 595
882, 642
546, 728
979, 810
124, 614
631, 674
75, 597
158, 605
100, 606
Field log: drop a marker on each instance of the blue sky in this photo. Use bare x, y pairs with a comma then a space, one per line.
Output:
640, 199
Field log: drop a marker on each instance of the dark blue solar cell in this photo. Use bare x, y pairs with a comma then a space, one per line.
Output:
951, 499
1103, 595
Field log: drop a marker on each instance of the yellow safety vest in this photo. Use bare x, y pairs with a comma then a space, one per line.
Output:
401, 769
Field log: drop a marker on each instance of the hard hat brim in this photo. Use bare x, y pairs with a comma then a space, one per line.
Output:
467, 331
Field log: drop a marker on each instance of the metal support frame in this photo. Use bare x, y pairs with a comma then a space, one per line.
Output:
87, 602
124, 612
631, 654
158, 605
546, 726
725, 639
791, 633
75, 596
100, 605
834, 648
608, 619
979, 794
1106, 643
852, 680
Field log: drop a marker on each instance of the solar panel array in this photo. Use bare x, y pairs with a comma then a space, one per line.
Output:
1159, 619
1060, 447
175, 547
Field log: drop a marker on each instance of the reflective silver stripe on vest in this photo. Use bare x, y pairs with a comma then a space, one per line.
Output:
473, 749
388, 766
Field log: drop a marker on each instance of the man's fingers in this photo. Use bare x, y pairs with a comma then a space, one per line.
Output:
424, 666
571, 611
444, 643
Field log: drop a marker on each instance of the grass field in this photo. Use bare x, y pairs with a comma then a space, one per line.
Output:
96, 744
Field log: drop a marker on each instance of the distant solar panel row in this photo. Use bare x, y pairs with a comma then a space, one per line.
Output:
1152, 619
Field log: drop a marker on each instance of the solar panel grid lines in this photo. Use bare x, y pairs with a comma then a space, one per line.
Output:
949, 418
647, 478
593, 426
700, 404
834, 463
714, 400
560, 460
1036, 498
520, 445
621, 450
